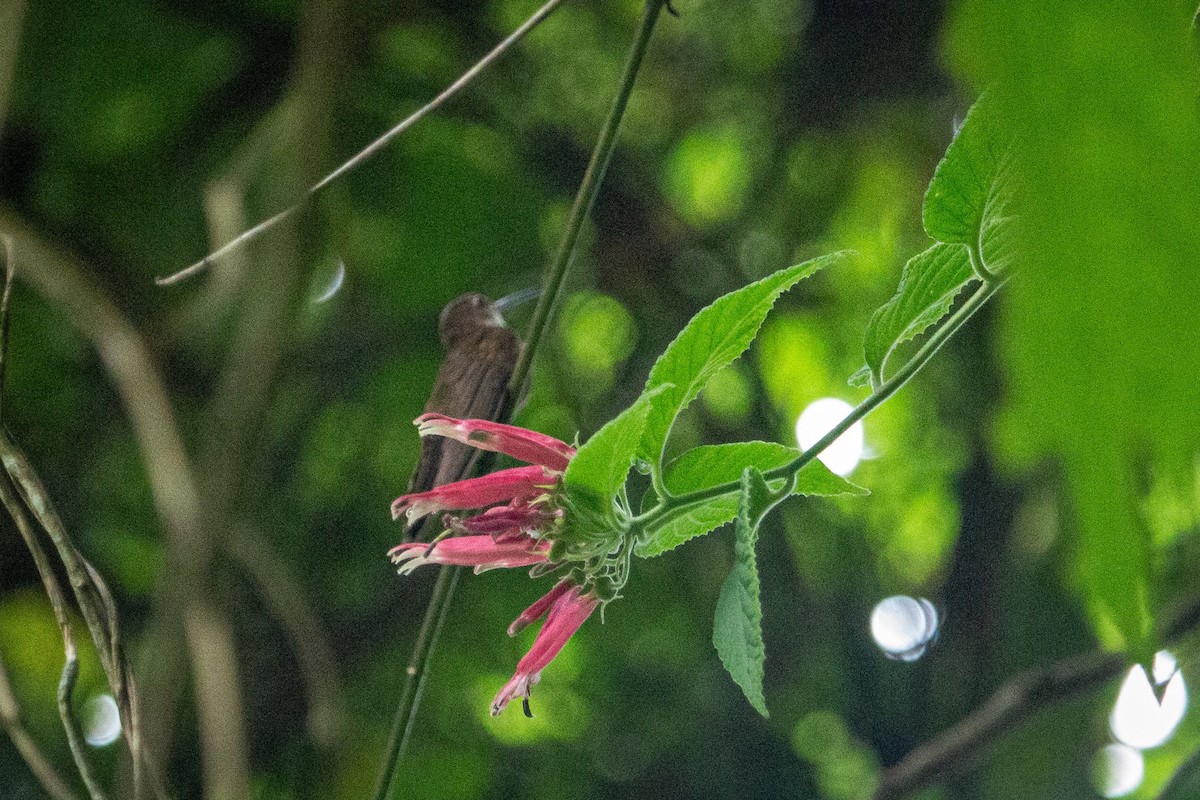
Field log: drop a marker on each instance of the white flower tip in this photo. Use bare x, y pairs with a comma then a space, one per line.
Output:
420, 509
434, 425
408, 557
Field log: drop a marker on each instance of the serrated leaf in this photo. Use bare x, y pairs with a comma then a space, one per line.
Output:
688, 523
713, 338
712, 465
599, 468
969, 198
928, 286
737, 624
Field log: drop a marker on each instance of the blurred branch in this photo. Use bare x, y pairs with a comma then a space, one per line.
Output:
22, 490
12, 16
371, 149
58, 602
1011, 707
60, 277
284, 599
10, 718
439, 602
6, 263
225, 207
243, 394
95, 602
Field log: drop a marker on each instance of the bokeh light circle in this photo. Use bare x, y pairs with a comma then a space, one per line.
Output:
817, 419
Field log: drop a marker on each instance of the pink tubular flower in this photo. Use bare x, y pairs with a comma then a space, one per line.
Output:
519, 483
503, 520
569, 608
522, 444
480, 552
519, 533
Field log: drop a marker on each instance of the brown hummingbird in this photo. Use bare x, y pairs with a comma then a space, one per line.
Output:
472, 383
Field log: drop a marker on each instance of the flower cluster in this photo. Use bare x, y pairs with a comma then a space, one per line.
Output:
519, 533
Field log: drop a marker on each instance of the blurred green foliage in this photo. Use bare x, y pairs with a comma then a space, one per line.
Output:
760, 134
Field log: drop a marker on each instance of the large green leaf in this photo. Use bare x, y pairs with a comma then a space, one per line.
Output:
598, 470
737, 624
713, 338
928, 285
969, 199
712, 465
1099, 327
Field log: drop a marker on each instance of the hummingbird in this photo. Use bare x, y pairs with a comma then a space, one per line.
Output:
472, 382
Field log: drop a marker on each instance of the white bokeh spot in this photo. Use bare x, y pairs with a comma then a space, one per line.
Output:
101, 720
817, 419
1138, 719
904, 627
1118, 770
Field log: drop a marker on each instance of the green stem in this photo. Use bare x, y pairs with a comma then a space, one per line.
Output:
975, 256
414, 681
444, 590
889, 387
586, 196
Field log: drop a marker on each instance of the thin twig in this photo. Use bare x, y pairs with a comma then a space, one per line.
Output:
414, 677
93, 598
30, 495
6, 256
62, 279
58, 603
372, 148
14, 726
1012, 705
556, 277
585, 198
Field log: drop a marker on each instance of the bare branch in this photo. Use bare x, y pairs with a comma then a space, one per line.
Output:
372, 148
10, 718
58, 602
1012, 706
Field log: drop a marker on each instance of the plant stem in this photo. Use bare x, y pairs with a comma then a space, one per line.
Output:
586, 196
975, 256
877, 398
414, 682
584, 199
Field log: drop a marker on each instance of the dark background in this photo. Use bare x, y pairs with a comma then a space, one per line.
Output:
759, 134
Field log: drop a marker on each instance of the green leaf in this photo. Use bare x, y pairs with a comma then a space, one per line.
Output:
713, 338
927, 289
737, 624
968, 200
1185, 784
1097, 338
598, 470
712, 465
